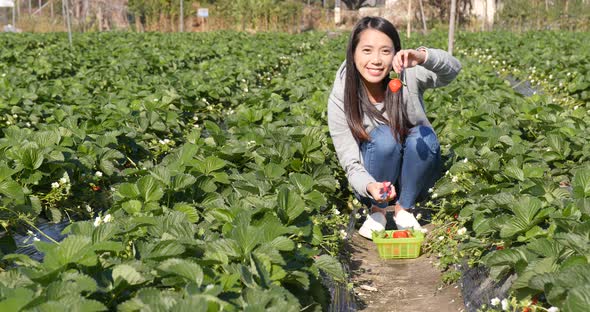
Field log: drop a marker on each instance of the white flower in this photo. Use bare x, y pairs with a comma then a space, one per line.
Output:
88, 208
358, 215
63, 180
419, 216
3, 75
430, 190
504, 304
155, 100
28, 124
461, 231
551, 76
575, 107
35, 239
209, 107
336, 212
98, 174
97, 221
569, 74
343, 234
455, 179
495, 301
553, 309
31, 233
162, 142
166, 141
8, 122
441, 238
355, 202
465, 160
55, 185
108, 218
14, 115
435, 195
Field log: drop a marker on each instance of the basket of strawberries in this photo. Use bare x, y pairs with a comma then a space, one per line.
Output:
398, 244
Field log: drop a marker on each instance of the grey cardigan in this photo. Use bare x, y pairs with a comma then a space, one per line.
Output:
439, 69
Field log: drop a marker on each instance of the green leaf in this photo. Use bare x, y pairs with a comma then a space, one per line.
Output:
162, 174
513, 171
331, 266
290, 203
578, 299
73, 249
149, 189
209, 164
165, 249
104, 232
581, 183
31, 158
190, 211
132, 206
22, 260
504, 257
16, 299
6, 172
125, 272
273, 171
302, 181
283, 243
184, 268
128, 190
525, 211
245, 235
11, 189
182, 181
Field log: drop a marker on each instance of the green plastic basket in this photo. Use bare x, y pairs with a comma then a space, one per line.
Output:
398, 248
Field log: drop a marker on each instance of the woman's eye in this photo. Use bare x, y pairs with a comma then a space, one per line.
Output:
366, 51
386, 52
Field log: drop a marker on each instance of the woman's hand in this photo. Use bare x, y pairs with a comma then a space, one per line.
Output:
408, 58
381, 191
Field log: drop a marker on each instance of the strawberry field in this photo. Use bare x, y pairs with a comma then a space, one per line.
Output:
195, 171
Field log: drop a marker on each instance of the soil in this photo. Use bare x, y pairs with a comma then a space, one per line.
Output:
409, 285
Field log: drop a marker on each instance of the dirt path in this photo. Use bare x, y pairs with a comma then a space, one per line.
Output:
408, 285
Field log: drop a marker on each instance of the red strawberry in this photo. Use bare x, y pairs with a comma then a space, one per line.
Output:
395, 85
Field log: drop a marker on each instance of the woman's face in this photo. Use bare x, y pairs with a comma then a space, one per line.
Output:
373, 56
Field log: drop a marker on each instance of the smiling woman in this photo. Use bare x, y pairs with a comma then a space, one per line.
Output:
382, 137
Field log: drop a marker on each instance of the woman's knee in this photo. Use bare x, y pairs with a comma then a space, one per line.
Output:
382, 141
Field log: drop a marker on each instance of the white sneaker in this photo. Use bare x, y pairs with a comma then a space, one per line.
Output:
406, 220
375, 222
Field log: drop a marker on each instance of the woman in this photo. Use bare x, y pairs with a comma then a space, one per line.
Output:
382, 136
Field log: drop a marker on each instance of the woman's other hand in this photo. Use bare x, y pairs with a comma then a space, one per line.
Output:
408, 58
381, 191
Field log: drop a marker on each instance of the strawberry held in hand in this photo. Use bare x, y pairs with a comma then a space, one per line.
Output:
395, 84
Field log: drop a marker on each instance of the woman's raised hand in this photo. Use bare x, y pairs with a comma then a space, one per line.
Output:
408, 58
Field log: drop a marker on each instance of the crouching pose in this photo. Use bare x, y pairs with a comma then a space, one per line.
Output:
379, 128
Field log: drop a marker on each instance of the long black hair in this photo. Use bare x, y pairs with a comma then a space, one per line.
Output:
356, 100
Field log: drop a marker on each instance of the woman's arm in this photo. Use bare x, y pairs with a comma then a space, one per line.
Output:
347, 149
439, 69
